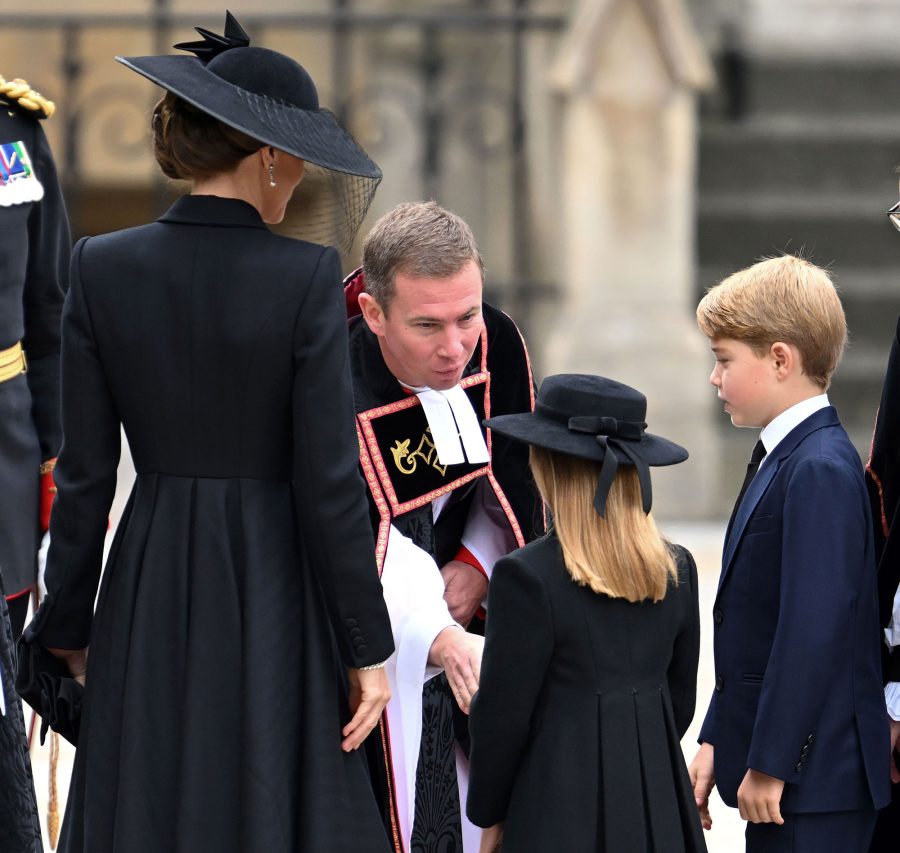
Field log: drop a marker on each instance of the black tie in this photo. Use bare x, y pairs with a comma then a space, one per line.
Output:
759, 451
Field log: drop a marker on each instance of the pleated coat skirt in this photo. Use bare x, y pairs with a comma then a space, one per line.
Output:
583, 701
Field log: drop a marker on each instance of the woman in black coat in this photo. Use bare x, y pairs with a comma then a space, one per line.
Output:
242, 578
589, 673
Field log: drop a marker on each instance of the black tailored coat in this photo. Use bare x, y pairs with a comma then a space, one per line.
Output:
576, 726
34, 261
214, 700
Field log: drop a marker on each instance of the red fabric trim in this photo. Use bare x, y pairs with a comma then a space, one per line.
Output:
464, 555
378, 464
19, 594
384, 512
385, 731
354, 284
48, 493
531, 394
495, 484
885, 526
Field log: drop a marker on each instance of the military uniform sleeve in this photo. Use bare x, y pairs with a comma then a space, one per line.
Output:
45, 284
332, 510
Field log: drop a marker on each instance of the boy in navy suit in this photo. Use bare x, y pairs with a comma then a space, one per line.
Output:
796, 734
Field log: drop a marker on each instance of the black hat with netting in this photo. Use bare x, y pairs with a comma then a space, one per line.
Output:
272, 98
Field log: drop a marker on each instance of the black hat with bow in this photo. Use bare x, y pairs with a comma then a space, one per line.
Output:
595, 418
272, 99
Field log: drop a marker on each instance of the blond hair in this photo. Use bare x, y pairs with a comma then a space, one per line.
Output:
622, 555
784, 299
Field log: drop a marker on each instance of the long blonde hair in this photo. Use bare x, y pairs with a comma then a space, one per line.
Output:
622, 555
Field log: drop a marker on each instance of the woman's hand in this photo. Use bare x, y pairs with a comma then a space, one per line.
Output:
75, 659
369, 693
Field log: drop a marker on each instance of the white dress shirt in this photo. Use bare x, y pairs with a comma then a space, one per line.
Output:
777, 430
892, 639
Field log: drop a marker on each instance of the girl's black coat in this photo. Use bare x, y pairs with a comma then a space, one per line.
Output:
583, 701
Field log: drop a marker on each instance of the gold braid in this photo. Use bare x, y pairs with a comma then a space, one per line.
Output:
18, 90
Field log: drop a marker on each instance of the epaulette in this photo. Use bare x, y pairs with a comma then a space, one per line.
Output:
19, 91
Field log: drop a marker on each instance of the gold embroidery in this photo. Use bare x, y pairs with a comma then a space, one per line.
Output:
378, 469
426, 451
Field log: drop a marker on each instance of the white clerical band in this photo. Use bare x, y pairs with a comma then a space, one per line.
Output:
469, 428
454, 426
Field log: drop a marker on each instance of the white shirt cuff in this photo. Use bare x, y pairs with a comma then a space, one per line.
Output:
892, 699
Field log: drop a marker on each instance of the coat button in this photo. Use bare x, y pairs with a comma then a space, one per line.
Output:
717, 616
799, 766
811, 738
351, 622
355, 632
720, 683
361, 649
804, 751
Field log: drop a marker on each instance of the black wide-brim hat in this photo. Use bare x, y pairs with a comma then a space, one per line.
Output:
260, 92
272, 99
594, 418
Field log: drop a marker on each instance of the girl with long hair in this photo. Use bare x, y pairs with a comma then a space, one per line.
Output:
588, 680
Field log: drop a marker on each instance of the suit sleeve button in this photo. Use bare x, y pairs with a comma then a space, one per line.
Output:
799, 766
720, 683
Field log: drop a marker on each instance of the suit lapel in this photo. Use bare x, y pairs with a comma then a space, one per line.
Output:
826, 417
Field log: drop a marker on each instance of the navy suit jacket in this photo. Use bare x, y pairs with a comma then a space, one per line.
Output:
798, 681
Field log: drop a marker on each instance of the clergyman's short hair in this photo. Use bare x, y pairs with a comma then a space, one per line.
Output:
420, 239
784, 299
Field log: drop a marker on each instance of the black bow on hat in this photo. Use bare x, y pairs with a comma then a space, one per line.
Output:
595, 418
212, 44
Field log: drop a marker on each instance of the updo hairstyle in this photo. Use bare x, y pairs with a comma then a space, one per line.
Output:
189, 144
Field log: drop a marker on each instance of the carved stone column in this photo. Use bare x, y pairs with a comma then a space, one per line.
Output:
628, 73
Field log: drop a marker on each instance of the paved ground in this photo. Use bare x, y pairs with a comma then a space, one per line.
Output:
704, 541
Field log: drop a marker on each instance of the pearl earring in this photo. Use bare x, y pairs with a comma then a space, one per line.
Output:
271, 174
